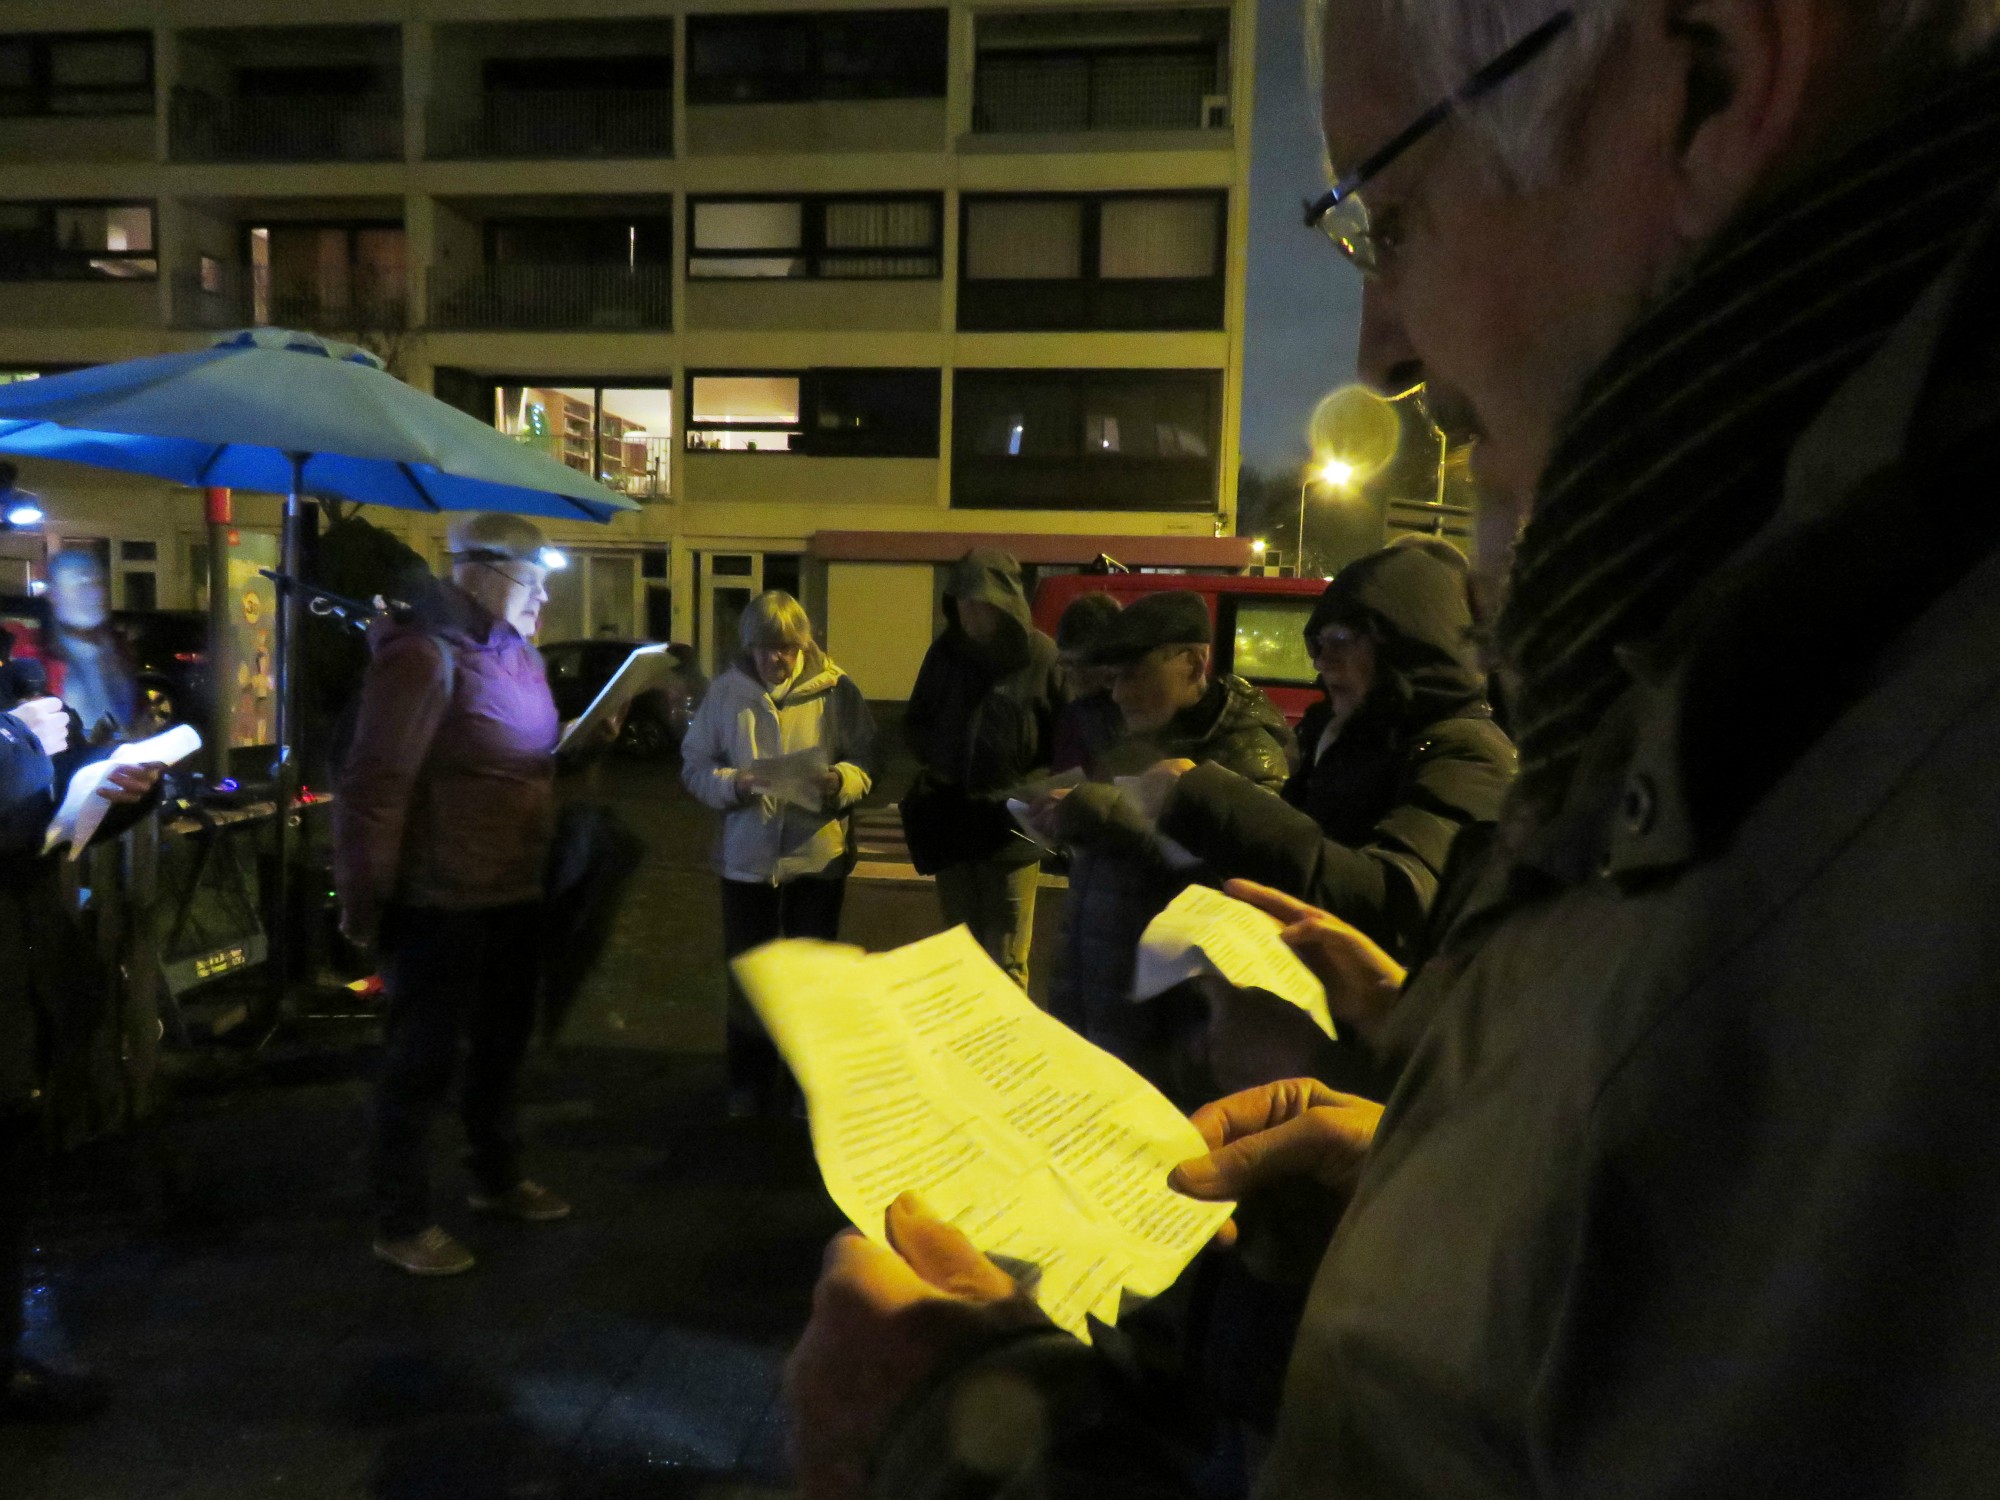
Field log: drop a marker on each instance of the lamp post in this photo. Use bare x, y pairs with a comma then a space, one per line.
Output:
1335, 472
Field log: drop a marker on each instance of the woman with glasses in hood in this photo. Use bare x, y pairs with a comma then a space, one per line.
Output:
1401, 755
786, 842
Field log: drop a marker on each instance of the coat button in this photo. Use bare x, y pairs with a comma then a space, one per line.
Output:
1640, 803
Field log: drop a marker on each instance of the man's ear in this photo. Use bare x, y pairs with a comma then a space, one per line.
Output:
1745, 67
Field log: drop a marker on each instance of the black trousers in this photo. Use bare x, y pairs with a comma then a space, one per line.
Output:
452, 977
754, 913
19, 1141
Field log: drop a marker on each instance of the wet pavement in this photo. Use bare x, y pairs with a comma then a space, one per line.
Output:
214, 1266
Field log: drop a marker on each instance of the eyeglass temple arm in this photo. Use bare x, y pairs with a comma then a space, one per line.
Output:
1481, 83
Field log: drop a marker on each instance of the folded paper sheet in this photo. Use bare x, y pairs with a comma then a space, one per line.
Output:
1203, 931
927, 1069
82, 810
796, 777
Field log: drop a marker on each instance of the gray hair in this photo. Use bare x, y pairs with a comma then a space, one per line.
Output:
1521, 124
772, 619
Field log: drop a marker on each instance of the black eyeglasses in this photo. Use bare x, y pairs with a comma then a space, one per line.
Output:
1339, 213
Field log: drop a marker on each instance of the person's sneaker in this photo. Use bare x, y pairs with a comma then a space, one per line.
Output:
528, 1201
35, 1392
429, 1252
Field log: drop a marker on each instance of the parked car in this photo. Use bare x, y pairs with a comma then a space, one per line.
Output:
1259, 623
659, 716
170, 651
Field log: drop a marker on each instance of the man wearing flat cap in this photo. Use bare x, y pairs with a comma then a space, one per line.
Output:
442, 830
1157, 650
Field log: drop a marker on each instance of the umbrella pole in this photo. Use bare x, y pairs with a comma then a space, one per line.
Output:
286, 771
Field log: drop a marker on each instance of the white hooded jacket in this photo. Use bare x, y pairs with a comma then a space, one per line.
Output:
741, 722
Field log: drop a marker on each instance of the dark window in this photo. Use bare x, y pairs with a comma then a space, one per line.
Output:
871, 54
1127, 260
332, 275
843, 238
95, 73
587, 75
76, 242
1086, 439
1159, 69
317, 81
834, 413
624, 240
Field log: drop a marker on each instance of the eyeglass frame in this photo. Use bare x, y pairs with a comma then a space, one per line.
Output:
1349, 228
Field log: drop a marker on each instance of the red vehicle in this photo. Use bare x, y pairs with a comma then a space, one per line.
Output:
1260, 623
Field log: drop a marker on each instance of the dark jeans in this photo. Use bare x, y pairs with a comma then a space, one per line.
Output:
754, 913
452, 975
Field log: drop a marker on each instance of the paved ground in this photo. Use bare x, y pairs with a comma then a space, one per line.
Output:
214, 1266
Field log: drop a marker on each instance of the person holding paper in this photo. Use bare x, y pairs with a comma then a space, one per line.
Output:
1121, 876
51, 987
981, 721
442, 828
783, 746
1402, 755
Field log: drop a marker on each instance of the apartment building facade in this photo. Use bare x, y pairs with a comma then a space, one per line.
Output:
834, 292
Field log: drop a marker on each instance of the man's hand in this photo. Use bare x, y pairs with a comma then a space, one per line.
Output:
1263, 1136
47, 720
1362, 982
829, 783
600, 735
1157, 784
882, 1322
750, 786
1045, 810
129, 784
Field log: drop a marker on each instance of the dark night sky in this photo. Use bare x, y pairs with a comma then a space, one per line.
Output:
1304, 308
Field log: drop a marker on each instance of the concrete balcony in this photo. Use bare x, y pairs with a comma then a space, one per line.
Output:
308, 128
553, 125
553, 298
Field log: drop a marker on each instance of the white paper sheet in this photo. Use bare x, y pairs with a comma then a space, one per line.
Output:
1203, 931
644, 668
796, 778
927, 1069
83, 810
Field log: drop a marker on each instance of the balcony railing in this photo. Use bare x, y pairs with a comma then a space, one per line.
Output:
1037, 93
228, 296
569, 298
555, 124
306, 127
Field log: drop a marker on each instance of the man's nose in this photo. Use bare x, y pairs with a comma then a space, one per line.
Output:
1388, 361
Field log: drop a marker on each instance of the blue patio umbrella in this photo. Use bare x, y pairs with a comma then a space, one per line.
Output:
291, 414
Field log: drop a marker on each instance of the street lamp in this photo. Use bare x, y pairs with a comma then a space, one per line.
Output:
1354, 434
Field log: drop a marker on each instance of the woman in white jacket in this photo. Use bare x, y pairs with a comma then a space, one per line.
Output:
782, 747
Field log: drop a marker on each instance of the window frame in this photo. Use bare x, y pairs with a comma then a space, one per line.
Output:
1094, 308
812, 248
809, 84
490, 387
1073, 476
38, 94
805, 433
49, 208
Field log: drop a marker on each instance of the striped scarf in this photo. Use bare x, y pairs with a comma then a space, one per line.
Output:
1675, 453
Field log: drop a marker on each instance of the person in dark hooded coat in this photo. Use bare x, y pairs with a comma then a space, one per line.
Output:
1401, 755
981, 721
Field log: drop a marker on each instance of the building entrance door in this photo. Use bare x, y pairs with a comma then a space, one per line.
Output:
729, 581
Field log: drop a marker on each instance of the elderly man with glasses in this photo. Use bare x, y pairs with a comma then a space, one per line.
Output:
1691, 1184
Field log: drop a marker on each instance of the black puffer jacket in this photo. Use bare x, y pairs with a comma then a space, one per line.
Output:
1369, 819
51, 984
1120, 878
981, 718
